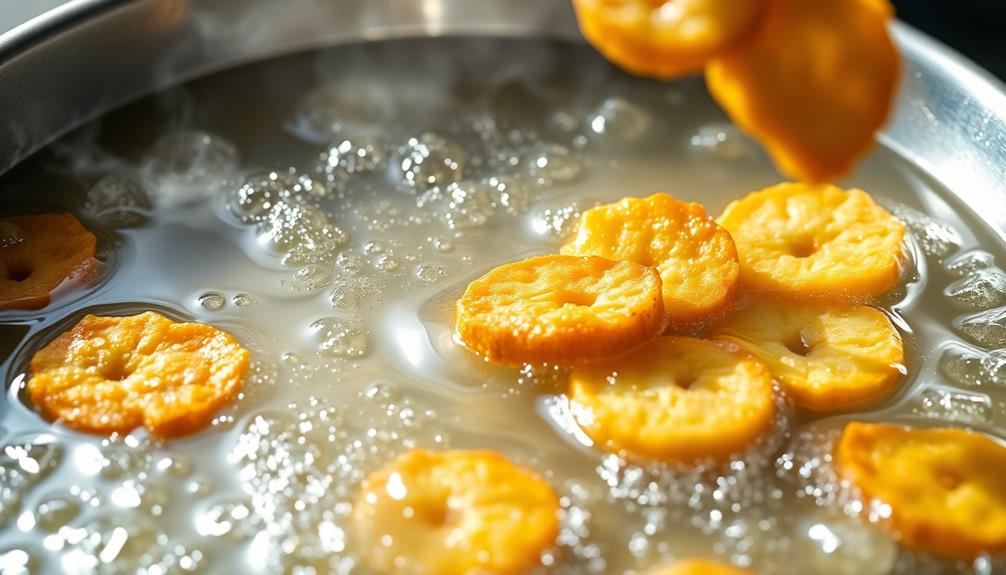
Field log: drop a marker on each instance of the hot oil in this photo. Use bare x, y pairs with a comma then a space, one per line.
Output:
327, 209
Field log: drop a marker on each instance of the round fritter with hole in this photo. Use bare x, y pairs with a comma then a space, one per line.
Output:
560, 309
826, 356
695, 257
665, 39
113, 374
946, 487
37, 253
813, 82
675, 399
454, 513
812, 241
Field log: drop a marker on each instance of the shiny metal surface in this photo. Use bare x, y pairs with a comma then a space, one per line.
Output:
71, 65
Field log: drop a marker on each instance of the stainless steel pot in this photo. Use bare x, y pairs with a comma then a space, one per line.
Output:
89, 56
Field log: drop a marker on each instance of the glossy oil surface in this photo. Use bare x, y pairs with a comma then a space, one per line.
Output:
402, 171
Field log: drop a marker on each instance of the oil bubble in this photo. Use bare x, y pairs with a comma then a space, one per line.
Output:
262, 192
553, 164
969, 262
469, 205
337, 337
55, 512
508, 194
558, 220
350, 157
243, 300
834, 544
937, 239
212, 301
117, 202
982, 289
986, 328
188, 166
720, 140
431, 273
620, 120
955, 405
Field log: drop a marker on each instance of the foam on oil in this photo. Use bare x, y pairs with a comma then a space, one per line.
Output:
327, 209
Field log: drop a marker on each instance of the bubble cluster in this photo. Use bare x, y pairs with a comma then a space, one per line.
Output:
115, 543
969, 262
262, 192
23, 464
558, 220
986, 328
981, 289
300, 468
720, 140
230, 517
937, 239
430, 160
189, 166
469, 205
310, 278
974, 368
284, 208
808, 464
117, 201
351, 157
707, 495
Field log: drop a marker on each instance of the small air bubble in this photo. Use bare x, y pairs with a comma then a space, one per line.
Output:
212, 301
243, 300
